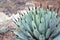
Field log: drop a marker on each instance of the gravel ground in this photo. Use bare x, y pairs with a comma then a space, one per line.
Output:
10, 7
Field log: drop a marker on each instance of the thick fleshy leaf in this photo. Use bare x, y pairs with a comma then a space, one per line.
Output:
46, 21
41, 11
26, 26
41, 28
56, 31
57, 38
29, 21
34, 25
39, 25
21, 35
36, 33
41, 37
48, 32
21, 26
37, 21
54, 15
53, 23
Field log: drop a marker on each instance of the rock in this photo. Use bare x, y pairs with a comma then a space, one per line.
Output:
3, 17
9, 25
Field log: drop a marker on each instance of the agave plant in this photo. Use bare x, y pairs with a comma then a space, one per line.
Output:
39, 25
